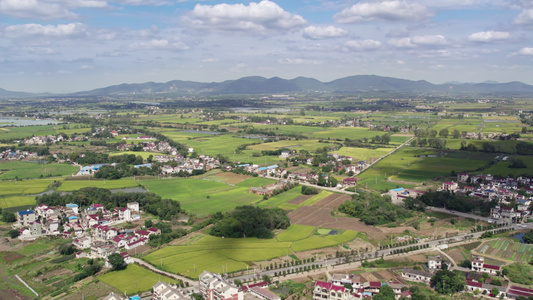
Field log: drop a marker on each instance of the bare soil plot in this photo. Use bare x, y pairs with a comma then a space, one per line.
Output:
229, 177
9, 256
332, 201
300, 199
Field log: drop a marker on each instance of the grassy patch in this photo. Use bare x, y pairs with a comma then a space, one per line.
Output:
134, 279
24, 170
24, 187
316, 242
295, 232
74, 185
16, 201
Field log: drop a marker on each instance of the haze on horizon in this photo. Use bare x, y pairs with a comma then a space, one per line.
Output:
74, 45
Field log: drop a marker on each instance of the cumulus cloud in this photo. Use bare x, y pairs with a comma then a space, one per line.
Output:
429, 40
262, 17
526, 51
391, 10
488, 36
159, 44
299, 61
525, 17
61, 30
362, 45
420, 40
34, 9
318, 33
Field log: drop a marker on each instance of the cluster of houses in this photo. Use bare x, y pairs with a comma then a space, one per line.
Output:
503, 190
17, 155
92, 228
338, 287
213, 286
267, 190
188, 165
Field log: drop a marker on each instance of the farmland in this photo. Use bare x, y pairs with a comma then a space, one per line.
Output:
24, 187
214, 253
74, 185
134, 279
16, 201
203, 197
508, 249
23, 170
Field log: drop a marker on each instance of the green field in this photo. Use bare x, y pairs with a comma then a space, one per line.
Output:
29, 131
205, 197
142, 154
16, 201
352, 133
74, 185
509, 250
213, 145
22, 170
214, 253
24, 187
282, 198
134, 279
309, 145
358, 154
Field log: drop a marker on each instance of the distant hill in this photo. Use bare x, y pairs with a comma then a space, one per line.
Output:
276, 85
10, 94
351, 84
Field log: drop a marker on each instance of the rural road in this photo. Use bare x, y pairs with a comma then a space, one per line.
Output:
171, 275
330, 263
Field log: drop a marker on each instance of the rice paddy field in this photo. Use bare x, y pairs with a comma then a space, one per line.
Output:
133, 280
23, 170
24, 187
29, 131
507, 249
202, 196
74, 185
16, 201
142, 154
213, 145
309, 145
217, 254
362, 153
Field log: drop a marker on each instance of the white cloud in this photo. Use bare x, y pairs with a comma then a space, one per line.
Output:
34, 9
318, 33
61, 30
401, 43
526, 51
262, 17
419, 40
525, 17
362, 45
429, 40
299, 61
391, 10
159, 44
144, 2
488, 36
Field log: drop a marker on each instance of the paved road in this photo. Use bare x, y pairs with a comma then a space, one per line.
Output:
386, 253
477, 217
396, 149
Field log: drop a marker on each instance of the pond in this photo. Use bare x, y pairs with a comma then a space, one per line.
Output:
25, 122
518, 236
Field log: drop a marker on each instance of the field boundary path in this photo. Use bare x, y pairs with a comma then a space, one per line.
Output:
29, 287
384, 156
171, 275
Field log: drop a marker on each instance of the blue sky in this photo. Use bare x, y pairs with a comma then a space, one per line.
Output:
74, 45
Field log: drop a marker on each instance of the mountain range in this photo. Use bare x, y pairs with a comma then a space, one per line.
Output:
262, 85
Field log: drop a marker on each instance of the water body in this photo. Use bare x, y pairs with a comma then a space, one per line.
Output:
26, 122
519, 236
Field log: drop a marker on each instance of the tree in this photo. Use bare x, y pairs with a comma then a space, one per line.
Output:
385, 293
8, 217
148, 223
528, 237
196, 296
267, 279
117, 261
66, 249
494, 292
13, 233
447, 282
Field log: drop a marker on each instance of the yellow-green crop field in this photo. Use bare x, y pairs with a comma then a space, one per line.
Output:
134, 279
20, 169
74, 185
142, 154
214, 253
16, 201
24, 187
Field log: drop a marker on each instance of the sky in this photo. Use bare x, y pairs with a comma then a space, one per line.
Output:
63, 46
